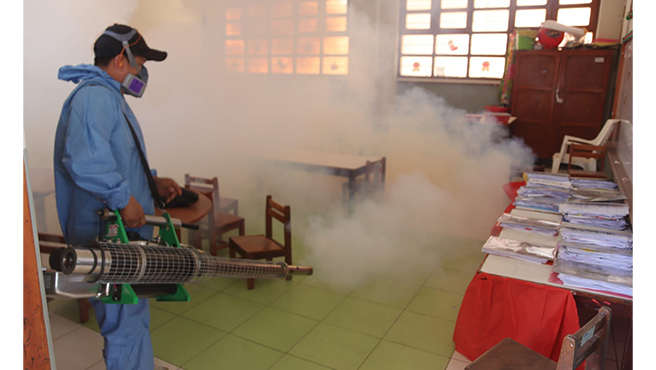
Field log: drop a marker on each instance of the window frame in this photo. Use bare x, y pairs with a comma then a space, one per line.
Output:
552, 8
268, 35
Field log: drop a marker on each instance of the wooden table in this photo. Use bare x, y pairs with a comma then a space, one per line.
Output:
191, 214
334, 164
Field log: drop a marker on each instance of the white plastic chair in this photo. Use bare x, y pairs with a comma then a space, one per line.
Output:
588, 164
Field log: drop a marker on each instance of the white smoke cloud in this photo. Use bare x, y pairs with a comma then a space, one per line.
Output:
444, 176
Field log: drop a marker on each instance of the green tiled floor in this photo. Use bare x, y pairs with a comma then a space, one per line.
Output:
396, 321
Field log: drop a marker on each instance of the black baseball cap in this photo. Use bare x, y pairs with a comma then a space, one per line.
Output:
107, 46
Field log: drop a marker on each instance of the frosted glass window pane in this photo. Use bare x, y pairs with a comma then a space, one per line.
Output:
574, 16
233, 14
235, 47
420, 21
336, 24
573, 2
255, 27
283, 9
484, 67
490, 20
453, 20
531, 2
336, 45
306, 25
258, 65
418, 5
452, 44
282, 65
417, 44
257, 11
235, 65
416, 66
491, 3
282, 46
336, 6
530, 17
258, 47
450, 67
233, 29
489, 43
335, 65
454, 4
308, 46
282, 27
308, 65
308, 8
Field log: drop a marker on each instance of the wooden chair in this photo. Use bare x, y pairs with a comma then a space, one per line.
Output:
83, 304
596, 152
264, 246
219, 219
588, 344
205, 185
372, 184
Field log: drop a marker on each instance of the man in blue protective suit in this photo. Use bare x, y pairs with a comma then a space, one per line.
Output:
98, 166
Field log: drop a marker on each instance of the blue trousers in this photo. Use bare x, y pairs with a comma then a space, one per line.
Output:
126, 331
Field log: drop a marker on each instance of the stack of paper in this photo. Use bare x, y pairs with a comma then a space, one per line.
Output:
520, 250
547, 204
605, 215
594, 267
547, 179
533, 225
595, 195
574, 233
543, 191
588, 183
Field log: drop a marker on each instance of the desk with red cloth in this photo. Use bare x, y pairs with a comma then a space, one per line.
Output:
509, 298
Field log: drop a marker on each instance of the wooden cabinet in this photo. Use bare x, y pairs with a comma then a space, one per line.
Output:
558, 93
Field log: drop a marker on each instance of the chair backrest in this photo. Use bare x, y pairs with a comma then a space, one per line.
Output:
208, 187
597, 152
375, 171
588, 344
605, 132
282, 214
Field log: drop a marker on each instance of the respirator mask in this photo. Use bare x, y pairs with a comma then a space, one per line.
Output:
132, 85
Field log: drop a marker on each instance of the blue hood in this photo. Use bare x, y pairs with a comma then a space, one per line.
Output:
87, 72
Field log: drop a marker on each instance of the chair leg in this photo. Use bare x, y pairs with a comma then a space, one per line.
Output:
250, 283
83, 306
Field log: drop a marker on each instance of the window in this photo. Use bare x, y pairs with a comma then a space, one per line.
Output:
287, 37
453, 40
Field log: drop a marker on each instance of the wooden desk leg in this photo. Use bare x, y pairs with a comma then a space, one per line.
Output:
351, 197
627, 356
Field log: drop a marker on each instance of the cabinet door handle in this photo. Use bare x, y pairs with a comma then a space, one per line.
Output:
559, 100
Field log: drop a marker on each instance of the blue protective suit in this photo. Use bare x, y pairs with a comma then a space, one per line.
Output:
97, 166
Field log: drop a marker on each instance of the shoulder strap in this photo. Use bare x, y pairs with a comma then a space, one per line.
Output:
159, 203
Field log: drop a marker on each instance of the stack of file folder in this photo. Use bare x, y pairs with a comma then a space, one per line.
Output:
543, 191
587, 183
519, 250
543, 227
605, 215
595, 267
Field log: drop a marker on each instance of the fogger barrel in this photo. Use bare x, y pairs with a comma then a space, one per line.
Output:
112, 263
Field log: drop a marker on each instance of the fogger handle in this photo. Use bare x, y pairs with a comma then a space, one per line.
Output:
157, 220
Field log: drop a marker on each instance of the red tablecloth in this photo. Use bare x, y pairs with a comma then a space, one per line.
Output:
494, 308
